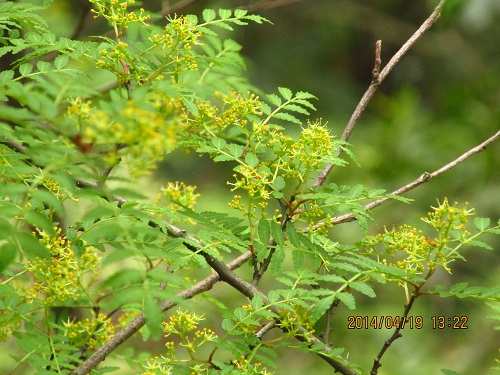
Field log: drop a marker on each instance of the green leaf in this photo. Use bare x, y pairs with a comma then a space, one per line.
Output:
298, 258
39, 221
277, 260
251, 159
347, 299
266, 109
190, 106
356, 191
71, 234
274, 99
122, 278
8, 253
32, 245
285, 93
320, 307
264, 231
25, 69
219, 143
304, 95
293, 236
49, 199
332, 278
103, 230
346, 267
223, 157
129, 194
458, 287
257, 302
305, 103
482, 244
231, 45
279, 183
482, 223
153, 315
257, 18
287, 117
42, 66
107, 369
240, 13
449, 372
363, 288
236, 150
224, 13
296, 108
208, 15
61, 61
277, 232
6, 76
223, 25
285, 281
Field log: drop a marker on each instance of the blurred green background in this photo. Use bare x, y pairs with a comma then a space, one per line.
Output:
442, 99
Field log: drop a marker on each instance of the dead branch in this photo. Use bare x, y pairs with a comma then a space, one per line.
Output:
377, 79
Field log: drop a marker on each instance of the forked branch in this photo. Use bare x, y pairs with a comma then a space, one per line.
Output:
377, 78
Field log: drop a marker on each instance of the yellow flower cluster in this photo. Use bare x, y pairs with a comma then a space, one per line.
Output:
233, 110
117, 14
58, 278
181, 323
184, 30
113, 58
283, 159
243, 365
90, 332
415, 252
157, 366
412, 251
141, 132
446, 218
290, 321
236, 108
177, 194
60, 193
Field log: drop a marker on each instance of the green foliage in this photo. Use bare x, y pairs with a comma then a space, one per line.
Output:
85, 252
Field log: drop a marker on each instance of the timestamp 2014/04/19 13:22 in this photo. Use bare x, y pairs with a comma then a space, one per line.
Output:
412, 322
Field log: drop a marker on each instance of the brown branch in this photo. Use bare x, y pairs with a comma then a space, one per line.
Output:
425, 177
204, 285
396, 335
226, 274
377, 79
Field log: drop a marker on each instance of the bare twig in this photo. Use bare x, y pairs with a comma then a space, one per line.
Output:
378, 62
425, 177
396, 335
377, 79
328, 329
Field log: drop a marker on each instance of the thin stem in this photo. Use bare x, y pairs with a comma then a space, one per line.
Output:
135, 325
377, 79
396, 335
425, 177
